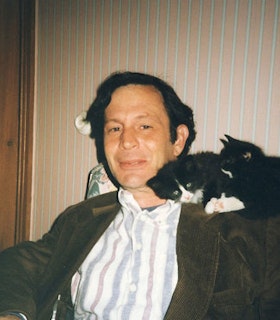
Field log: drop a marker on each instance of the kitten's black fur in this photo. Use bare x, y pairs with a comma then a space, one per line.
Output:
241, 171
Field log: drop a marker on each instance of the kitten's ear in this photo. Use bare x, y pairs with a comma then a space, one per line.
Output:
230, 139
224, 142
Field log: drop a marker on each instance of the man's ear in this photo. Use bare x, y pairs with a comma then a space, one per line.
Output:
182, 136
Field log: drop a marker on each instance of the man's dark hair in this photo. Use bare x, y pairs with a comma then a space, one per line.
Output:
178, 112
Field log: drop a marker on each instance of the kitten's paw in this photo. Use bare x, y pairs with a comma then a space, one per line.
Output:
216, 205
231, 204
210, 206
225, 204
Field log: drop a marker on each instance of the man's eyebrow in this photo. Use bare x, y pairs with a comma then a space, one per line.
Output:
151, 117
111, 120
144, 116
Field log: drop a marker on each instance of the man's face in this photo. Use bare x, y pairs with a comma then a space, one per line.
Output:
137, 135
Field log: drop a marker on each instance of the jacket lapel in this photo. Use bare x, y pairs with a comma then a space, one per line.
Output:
197, 252
92, 220
90, 229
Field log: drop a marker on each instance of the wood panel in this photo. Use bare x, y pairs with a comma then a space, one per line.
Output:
16, 114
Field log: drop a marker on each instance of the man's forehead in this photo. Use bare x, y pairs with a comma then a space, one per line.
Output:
136, 86
143, 92
138, 116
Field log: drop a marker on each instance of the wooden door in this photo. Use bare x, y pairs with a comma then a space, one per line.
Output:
17, 34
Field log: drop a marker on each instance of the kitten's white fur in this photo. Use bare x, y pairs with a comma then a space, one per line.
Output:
227, 173
223, 204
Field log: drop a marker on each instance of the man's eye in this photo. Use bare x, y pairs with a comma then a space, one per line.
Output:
146, 126
115, 129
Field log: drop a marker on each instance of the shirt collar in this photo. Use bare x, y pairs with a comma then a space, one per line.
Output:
159, 213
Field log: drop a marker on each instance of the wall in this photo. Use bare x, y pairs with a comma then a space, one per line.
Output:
221, 56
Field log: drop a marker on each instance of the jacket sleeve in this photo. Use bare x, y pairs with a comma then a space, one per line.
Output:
21, 268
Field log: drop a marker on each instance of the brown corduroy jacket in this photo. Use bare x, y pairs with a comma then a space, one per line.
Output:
229, 267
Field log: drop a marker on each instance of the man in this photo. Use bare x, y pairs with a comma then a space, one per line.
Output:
129, 254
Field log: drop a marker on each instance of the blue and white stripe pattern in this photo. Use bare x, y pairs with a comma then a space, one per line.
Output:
132, 271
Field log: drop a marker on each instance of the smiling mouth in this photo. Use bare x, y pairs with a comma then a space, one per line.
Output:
132, 164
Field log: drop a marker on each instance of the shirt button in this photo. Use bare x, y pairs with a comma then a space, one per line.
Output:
138, 246
132, 287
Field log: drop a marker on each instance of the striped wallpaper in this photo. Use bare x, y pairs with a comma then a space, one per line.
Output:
222, 57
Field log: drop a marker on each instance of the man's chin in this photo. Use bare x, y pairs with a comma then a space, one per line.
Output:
133, 182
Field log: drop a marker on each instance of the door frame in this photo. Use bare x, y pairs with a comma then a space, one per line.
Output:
26, 114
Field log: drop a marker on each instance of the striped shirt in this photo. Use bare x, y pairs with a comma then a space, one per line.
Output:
131, 272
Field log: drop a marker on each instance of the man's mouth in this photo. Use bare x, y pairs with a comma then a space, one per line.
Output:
132, 164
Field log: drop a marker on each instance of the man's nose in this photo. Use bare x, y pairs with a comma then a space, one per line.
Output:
129, 139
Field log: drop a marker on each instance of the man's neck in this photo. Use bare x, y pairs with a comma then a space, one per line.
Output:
146, 197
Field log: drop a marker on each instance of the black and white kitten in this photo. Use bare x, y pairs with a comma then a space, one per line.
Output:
241, 178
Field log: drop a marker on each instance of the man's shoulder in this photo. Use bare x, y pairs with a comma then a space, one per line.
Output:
229, 222
195, 213
100, 200
235, 233
85, 210
95, 202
